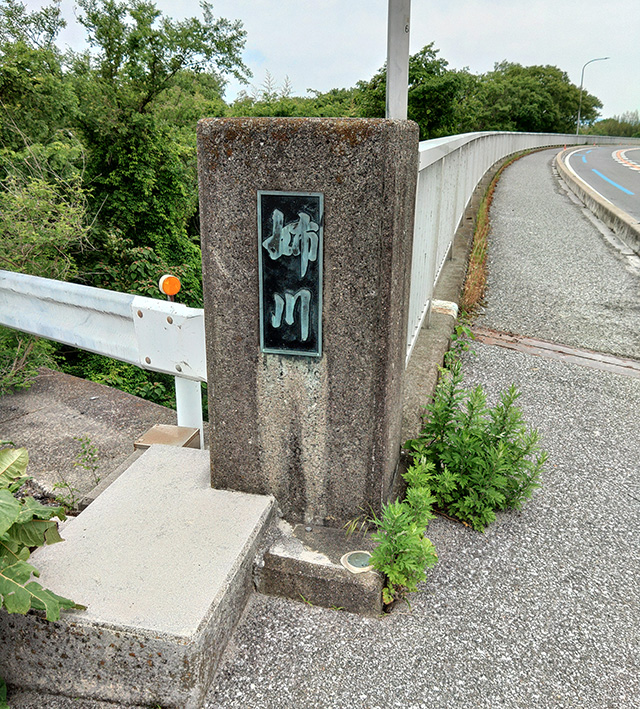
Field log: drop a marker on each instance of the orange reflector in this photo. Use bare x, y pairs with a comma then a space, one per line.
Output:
169, 285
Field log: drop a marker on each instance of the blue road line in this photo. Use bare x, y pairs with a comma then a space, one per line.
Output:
615, 184
584, 159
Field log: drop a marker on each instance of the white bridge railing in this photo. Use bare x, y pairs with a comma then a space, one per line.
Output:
152, 334
449, 171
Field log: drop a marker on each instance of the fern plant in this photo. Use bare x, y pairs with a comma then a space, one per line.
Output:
475, 460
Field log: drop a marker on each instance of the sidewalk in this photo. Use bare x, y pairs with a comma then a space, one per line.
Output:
543, 610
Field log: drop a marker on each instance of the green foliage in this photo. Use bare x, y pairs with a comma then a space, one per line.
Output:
41, 223
476, 460
20, 357
435, 94
38, 28
403, 552
271, 100
97, 151
24, 524
42, 227
626, 126
36, 99
142, 176
13, 464
87, 457
67, 495
511, 98
155, 387
121, 266
534, 99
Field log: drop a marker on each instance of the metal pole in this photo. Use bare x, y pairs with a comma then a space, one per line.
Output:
398, 58
600, 59
189, 405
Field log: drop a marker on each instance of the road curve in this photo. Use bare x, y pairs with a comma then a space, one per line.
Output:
613, 172
607, 181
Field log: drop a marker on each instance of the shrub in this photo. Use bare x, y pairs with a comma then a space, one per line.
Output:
404, 553
20, 357
474, 459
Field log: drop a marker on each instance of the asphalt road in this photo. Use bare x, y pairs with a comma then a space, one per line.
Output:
612, 171
552, 275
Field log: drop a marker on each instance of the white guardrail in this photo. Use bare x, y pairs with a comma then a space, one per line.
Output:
449, 171
152, 334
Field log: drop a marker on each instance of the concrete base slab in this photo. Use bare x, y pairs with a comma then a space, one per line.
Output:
49, 419
163, 562
303, 563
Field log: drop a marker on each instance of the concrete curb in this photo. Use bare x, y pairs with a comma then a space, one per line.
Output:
433, 342
624, 226
303, 563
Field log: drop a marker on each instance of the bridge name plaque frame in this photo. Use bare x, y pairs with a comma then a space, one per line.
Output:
290, 245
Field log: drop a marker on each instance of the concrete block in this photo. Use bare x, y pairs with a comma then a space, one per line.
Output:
303, 564
164, 564
322, 434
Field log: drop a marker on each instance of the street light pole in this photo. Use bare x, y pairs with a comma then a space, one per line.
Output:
599, 59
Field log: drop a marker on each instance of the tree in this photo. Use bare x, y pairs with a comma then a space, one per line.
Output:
89, 141
538, 99
271, 100
142, 176
627, 125
36, 99
434, 94
43, 204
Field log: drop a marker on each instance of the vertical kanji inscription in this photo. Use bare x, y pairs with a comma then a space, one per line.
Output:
290, 229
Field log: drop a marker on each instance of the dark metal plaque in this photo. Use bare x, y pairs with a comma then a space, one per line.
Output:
290, 263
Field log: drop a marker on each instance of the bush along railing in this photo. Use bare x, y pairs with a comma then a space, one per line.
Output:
474, 459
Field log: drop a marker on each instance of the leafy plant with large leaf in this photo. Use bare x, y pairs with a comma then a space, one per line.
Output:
24, 524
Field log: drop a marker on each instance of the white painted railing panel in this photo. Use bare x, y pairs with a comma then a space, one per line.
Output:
153, 334
449, 171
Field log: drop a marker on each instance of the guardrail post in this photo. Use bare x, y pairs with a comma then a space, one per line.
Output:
189, 405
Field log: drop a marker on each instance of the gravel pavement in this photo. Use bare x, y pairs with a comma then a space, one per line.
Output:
542, 610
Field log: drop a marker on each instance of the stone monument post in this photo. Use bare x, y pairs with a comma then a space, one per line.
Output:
307, 228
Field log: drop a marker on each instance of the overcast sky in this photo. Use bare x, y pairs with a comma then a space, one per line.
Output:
324, 44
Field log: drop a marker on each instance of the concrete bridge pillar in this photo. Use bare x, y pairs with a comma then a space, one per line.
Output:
307, 228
